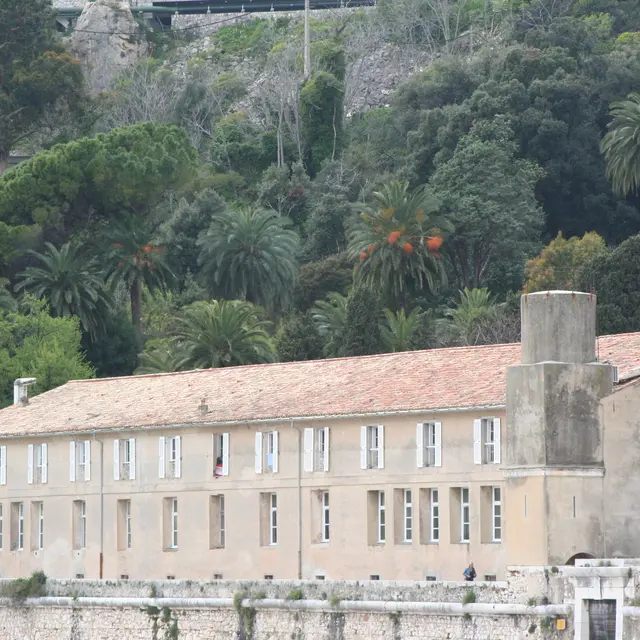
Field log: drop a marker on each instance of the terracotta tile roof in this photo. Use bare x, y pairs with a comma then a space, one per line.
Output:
438, 379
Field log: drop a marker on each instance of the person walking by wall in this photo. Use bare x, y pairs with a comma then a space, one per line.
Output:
469, 573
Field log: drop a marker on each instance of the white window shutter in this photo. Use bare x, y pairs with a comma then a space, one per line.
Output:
45, 463
477, 441
308, 450
363, 448
30, 464
496, 441
259, 452
72, 461
225, 454
132, 459
380, 447
116, 459
326, 448
420, 445
161, 451
87, 460
276, 452
3, 465
438, 450
178, 456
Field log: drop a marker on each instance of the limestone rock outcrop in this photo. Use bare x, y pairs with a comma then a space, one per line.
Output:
108, 40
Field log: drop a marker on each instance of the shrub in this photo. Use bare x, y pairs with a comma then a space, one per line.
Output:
23, 588
295, 594
469, 597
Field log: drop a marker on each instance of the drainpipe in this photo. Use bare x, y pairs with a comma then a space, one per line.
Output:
299, 499
101, 504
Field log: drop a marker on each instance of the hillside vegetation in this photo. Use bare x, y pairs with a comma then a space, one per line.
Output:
217, 208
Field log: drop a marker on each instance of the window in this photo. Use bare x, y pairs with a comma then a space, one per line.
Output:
372, 447
316, 449
374, 576
170, 518
490, 577
80, 460
124, 525
79, 524
170, 457
268, 519
1, 527
402, 516
408, 516
496, 511
326, 530
37, 526
428, 443
382, 531
273, 519
124, 459
464, 515
267, 452
429, 516
217, 529
320, 522
220, 454
3, 465
486, 441
17, 526
37, 464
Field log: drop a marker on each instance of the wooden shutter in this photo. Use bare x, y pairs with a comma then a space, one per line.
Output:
45, 463
438, 438
72, 461
308, 450
326, 448
132, 459
225, 454
178, 456
3, 465
276, 452
496, 441
116, 459
161, 450
420, 445
30, 464
363, 448
259, 452
380, 446
477, 441
87, 460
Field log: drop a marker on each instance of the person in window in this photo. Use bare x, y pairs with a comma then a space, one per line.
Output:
469, 573
218, 467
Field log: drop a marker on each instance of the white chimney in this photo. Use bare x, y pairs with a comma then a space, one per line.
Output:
20, 387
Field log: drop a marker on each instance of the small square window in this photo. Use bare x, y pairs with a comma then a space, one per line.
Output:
490, 577
430, 578
79, 576
124, 576
320, 577
268, 577
171, 577
374, 576
217, 576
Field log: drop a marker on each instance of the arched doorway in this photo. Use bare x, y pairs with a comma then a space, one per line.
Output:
579, 556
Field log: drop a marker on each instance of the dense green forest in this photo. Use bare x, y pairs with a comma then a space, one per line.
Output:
190, 234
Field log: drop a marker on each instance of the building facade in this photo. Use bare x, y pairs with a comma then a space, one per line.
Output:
397, 466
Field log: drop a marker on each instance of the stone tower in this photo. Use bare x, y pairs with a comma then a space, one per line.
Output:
554, 466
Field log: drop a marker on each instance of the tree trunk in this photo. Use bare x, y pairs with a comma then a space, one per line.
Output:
136, 308
4, 161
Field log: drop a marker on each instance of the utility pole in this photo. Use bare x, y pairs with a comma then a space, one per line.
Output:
307, 41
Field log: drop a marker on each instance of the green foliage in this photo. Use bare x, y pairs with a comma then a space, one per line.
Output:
22, 588
33, 344
404, 332
286, 190
250, 254
251, 37
559, 264
488, 195
362, 332
325, 226
38, 76
621, 145
321, 107
469, 597
72, 283
295, 594
113, 352
298, 339
75, 185
330, 319
317, 279
396, 242
223, 334
614, 277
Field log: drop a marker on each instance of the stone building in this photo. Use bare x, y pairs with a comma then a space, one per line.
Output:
395, 466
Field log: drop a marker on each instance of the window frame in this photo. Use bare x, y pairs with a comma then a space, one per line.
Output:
325, 519
40, 527
174, 524
496, 518
465, 507
273, 519
381, 518
1, 526
434, 515
407, 516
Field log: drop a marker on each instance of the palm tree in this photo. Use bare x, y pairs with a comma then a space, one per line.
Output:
398, 329
396, 241
223, 333
71, 282
621, 146
134, 260
251, 254
161, 356
475, 307
330, 318
7, 301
